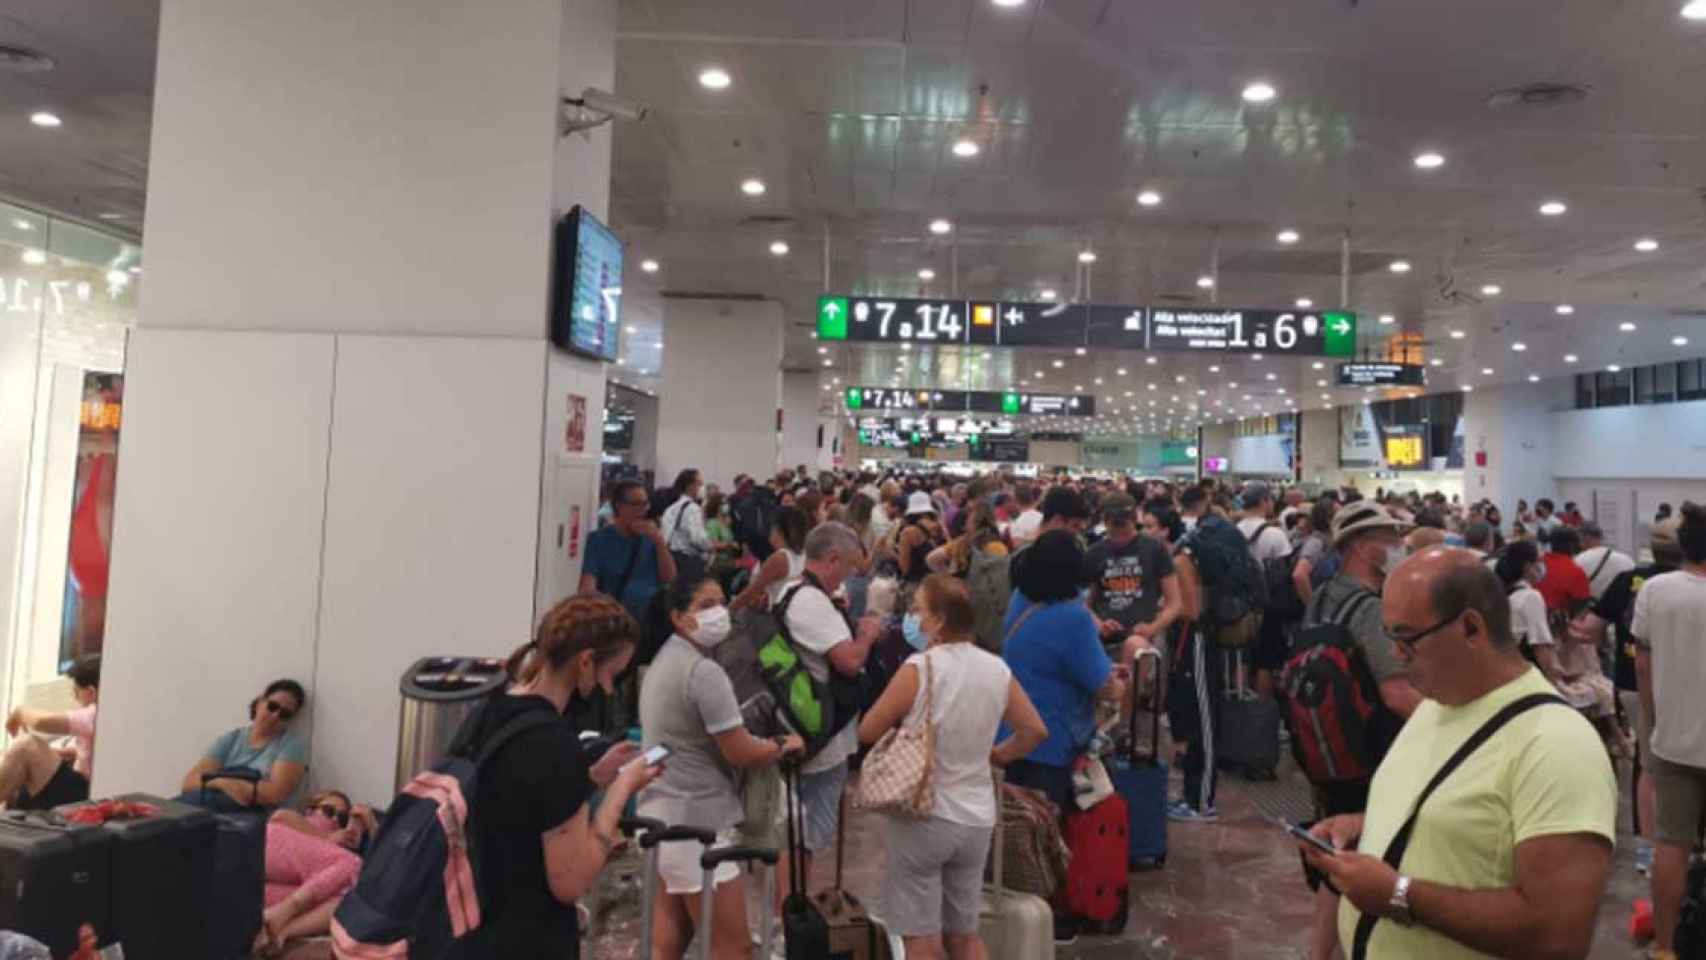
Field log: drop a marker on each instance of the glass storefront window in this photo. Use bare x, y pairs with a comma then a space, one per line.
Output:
68, 298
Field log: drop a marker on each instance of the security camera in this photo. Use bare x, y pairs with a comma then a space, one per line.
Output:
595, 107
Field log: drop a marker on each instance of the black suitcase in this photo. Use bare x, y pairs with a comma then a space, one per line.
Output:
234, 904
54, 878
805, 932
1248, 740
162, 875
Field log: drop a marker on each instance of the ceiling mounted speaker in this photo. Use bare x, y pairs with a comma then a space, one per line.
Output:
24, 60
1542, 94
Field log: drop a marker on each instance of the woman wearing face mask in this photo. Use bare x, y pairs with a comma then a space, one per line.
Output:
688, 704
541, 839
1519, 567
310, 866
933, 887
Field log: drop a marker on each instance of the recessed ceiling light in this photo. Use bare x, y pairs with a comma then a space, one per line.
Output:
1519, 346
926, 274
965, 148
714, 78
752, 187
1627, 326
1151, 361
779, 248
1214, 369
820, 350
1326, 396
1430, 160
1387, 319
1614, 368
1304, 303
1534, 378
1098, 381
1646, 245
1057, 365
1288, 236
1457, 334
1206, 282
1259, 92
649, 266
34, 258
1399, 266
1008, 3
1468, 389
1679, 341
42, 118
22, 224
1437, 362
1048, 295
1695, 10
1553, 208
1086, 256
1570, 358
1492, 290
1320, 383
1317, 365
1564, 309
1273, 376
939, 227
828, 362
1149, 198
1121, 371
1486, 371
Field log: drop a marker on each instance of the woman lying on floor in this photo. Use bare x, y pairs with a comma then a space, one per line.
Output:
310, 866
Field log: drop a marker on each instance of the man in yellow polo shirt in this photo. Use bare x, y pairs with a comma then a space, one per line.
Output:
1509, 855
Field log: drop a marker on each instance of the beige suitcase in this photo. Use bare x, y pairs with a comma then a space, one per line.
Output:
1013, 925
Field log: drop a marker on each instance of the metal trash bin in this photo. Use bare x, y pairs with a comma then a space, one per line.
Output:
439, 693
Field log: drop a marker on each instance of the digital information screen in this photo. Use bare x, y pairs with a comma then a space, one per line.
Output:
1406, 448
587, 293
974, 401
1001, 450
1012, 324
1382, 375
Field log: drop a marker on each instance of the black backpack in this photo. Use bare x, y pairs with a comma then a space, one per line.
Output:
753, 515
1235, 590
1284, 604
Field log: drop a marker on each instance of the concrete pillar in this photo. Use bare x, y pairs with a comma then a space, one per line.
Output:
342, 405
800, 422
723, 363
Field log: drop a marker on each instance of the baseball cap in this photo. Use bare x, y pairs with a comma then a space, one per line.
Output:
1361, 517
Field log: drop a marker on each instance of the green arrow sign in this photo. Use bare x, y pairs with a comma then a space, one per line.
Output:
832, 318
1340, 334
855, 398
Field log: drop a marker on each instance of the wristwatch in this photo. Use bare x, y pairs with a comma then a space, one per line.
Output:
1398, 908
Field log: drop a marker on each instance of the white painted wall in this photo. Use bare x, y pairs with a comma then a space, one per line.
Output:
1514, 426
722, 361
1319, 447
800, 392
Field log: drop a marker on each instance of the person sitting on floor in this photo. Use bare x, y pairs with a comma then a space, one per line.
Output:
310, 866
37, 776
266, 747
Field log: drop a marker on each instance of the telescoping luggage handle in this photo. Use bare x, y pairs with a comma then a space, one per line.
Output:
997, 857
652, 833
709, 861
1155, 734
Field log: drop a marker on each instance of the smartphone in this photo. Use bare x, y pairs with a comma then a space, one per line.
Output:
652, 757
1304, 836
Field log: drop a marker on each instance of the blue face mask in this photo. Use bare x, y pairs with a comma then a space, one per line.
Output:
913, 628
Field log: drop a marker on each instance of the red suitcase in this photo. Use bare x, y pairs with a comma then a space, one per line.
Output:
1096, 880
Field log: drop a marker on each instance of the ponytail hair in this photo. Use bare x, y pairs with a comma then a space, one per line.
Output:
590, 621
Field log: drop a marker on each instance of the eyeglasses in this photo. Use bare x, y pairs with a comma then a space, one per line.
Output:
331, 811
280, 710
1410, 640
636, 503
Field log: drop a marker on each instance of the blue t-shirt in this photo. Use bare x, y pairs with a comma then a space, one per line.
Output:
233, 749
608, 552
1057, 657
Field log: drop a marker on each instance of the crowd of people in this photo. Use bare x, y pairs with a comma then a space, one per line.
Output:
1496, 672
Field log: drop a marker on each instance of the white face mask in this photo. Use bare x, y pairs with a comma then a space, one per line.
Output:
1394, 556
713, 626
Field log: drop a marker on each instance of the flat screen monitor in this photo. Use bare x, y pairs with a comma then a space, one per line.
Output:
586, 290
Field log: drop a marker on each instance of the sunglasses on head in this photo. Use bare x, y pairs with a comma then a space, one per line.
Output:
280, 710
332, 812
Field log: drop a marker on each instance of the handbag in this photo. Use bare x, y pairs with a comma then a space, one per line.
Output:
897, 776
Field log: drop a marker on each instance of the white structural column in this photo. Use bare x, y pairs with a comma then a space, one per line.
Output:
722, 369
1508, 443
343, 412
800, 421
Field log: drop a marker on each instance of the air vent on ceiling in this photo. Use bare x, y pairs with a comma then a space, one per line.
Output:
711, 295
769, 219
1542, 94
24, 60
1301, 263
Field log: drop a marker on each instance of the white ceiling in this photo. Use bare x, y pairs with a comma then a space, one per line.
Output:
847, 111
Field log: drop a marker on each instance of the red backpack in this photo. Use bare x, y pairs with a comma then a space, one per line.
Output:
1339, 725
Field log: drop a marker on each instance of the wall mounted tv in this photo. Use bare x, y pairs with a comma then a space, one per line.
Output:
586, 287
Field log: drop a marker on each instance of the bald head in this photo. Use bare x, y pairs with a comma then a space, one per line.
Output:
1446, 581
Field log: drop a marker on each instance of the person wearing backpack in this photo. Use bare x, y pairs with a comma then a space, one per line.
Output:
1491, 822
1346, 613
538, 840
1602, 562
628, 559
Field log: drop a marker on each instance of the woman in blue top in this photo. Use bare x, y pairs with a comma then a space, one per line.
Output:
267, 746
1055, 652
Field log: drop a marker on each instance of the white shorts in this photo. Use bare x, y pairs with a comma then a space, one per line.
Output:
678, 865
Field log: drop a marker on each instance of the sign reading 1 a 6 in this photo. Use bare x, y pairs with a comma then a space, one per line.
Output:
891, 320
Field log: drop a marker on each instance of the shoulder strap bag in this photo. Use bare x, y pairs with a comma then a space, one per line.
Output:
898, 774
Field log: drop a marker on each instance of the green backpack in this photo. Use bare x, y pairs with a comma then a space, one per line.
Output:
815, 710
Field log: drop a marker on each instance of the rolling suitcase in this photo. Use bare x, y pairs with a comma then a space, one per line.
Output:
853, 935
1142, 782
1249, 726
654, 834
54, 878
1096, 879
805, 932
162, 870
234, 903
1012, 925
709, 861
